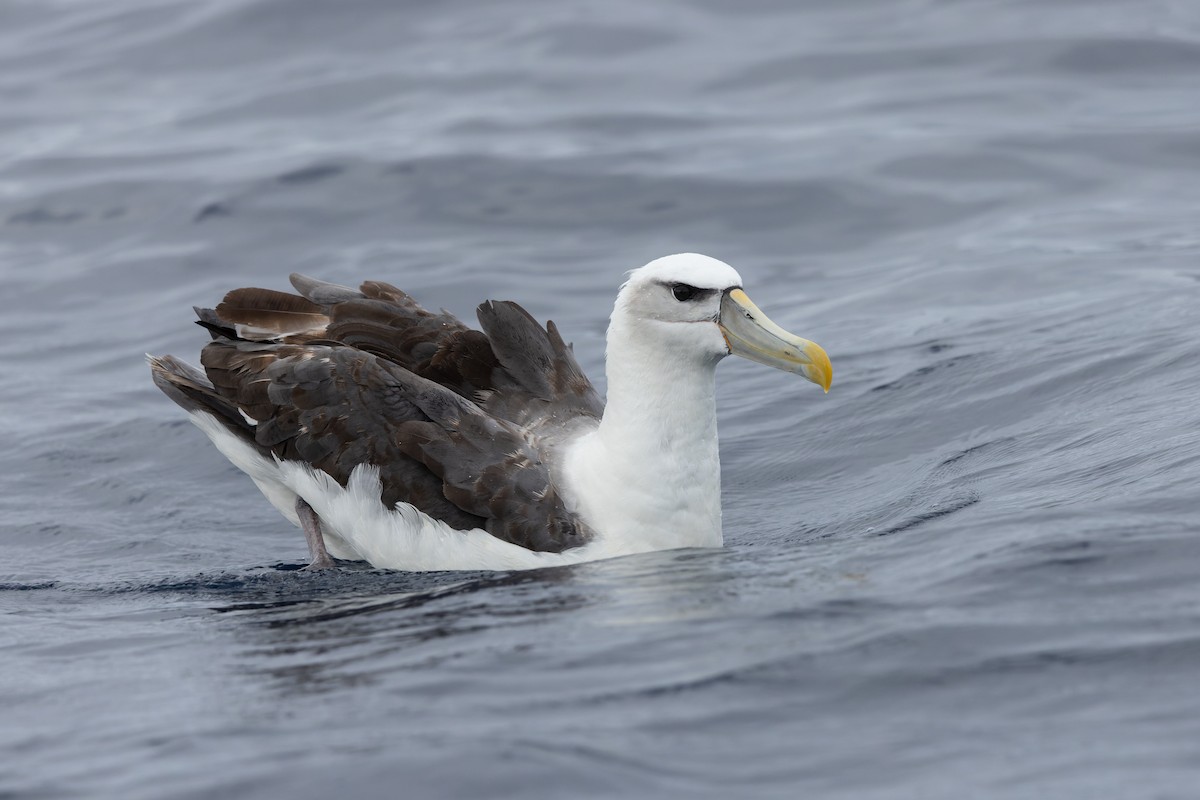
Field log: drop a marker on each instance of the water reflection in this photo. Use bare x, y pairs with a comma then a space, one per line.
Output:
358, 625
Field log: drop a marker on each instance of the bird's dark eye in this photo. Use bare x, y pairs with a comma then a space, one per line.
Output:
683, 292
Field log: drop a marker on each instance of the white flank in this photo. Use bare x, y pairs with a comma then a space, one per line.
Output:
358, 526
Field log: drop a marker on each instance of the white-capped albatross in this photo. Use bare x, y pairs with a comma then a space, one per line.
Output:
401, 437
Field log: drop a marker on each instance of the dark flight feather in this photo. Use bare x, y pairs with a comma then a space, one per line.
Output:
455, 419
266, 312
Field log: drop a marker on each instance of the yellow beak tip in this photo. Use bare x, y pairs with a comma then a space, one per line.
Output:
824, 368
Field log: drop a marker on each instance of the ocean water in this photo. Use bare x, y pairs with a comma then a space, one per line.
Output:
970, 571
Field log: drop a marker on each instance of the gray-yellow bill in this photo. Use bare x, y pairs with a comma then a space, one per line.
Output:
751, 334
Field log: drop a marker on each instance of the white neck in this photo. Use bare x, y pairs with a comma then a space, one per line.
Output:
649, 477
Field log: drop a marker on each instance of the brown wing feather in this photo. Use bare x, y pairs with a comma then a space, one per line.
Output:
268, 313
515, 368
336, 407
333, 408
452, 417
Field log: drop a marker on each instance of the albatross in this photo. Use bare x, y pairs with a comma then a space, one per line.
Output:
402, 437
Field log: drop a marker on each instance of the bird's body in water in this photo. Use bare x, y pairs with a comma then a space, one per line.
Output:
404, 438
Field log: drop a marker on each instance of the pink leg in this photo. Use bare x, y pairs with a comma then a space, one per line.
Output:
312, 533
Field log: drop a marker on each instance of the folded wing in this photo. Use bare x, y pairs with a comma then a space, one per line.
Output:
461, 423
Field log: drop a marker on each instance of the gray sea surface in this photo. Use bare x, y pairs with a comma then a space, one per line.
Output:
970, 571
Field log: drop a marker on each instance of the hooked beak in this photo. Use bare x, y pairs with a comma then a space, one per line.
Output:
751, 334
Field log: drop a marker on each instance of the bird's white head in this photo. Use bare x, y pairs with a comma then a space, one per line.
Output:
692, 307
